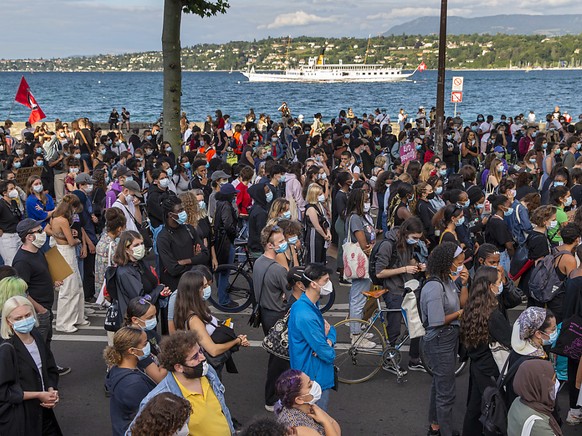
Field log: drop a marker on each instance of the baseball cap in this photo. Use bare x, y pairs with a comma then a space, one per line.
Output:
499, 149
123, 171
216, 175
24, 227
227, 189
133, 187
84, 178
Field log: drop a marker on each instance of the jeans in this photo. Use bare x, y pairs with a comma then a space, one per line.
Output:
276, 366
45, 326
222, 280
357, 302
341, 235
441, 353
324, 400
394, 321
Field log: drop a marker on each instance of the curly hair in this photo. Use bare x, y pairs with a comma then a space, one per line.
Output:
175, 347
163, 415
191, 206
265, 427
441, 259
288, 387
482, 302
544, 213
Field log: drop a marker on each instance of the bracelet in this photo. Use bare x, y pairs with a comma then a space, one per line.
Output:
460, 312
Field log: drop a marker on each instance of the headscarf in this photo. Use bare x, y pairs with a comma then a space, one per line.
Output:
534, 383
530, 320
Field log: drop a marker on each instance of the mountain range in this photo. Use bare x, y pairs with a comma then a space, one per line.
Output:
518, 24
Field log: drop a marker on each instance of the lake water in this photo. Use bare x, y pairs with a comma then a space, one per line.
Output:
71, 95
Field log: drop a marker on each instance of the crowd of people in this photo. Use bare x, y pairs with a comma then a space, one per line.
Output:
143, 225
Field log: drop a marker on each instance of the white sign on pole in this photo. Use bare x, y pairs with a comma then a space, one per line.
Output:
458, 83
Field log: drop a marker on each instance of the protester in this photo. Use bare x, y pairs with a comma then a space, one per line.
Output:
165, 414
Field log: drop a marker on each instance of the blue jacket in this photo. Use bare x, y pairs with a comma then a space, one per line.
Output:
168, 384
308, 347
38, 211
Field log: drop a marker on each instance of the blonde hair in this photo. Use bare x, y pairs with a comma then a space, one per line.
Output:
191, 207
278, 206
380, 161
123, 339
312, 193
426, 171
12, 303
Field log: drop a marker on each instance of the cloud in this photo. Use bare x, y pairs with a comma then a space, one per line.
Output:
299, 18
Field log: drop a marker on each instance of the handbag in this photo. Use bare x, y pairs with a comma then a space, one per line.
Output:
255, 318
143, 229
410, 307
355, 260
277, 340
500, 354
113, 317
569, 342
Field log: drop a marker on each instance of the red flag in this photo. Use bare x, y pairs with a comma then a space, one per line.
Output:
25, 97
422, 66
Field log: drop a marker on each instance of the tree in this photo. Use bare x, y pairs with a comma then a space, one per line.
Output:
172, 62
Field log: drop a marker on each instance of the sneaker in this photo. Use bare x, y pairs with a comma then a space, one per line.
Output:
84, 323
63, 370
392, 370
362, 342
416, 366
89, 311
574, 417
269, 408
73, 330
344, 282
432, 432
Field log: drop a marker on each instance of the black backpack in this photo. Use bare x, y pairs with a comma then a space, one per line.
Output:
373, 260
493, 407
544, 283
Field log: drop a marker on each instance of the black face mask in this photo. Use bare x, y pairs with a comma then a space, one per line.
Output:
193, 372
430, 196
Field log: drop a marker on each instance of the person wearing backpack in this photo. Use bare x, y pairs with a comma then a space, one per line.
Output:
483, 324
393, 263
532, 412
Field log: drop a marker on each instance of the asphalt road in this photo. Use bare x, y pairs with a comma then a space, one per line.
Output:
380, 406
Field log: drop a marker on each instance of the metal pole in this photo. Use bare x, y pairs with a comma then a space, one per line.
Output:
440, 114
455, 114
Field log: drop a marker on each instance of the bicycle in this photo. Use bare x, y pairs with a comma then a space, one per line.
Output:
240, 283
357, 364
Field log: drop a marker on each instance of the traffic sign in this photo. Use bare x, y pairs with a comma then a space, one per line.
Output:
457, 97
458, 83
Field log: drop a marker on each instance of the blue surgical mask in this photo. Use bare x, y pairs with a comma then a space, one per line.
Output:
17, 164
559, 184
443, 172
418, 146
283, 178
206, 293
182, 217
146, 351
500, 288
439, 190
39, 163
508, 212
461, 221
38, 150
293, 240
128, 178
286, 215
458, 271
551, 337
347, 135
25, 325
412, 241
170, 172
187, 165
465, 204
150, 324
568, 201
149, 137
479, 206
269, 196
282, 248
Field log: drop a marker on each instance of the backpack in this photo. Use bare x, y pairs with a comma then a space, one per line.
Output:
493, 408
374, 259
544, 282
113, 316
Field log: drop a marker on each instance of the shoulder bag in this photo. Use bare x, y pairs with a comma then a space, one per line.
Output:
277, 340
255, 318
143, 229
356, 262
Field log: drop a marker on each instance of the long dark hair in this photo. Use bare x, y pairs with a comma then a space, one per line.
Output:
410, 225
441, 259
189, 301
482, 302
355, 203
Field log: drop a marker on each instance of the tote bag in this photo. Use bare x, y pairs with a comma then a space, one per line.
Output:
355, 260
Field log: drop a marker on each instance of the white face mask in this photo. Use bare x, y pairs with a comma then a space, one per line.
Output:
367, 207
164, 183
138, 252
315, 392
326, 289
183, 431
39, 240
13, 193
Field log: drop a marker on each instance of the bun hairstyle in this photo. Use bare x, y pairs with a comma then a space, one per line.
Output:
444, 216
496, 201
123, 339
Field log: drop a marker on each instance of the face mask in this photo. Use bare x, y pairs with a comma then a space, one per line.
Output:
202, 143
286, 215
129, 198
77, 155
553, 224
377, 138
269, 196
13, 193
315, 392
283, 178
551, 338
197, 371
170, 172
513, 192
62, 134
38, 188
321, 198
347, 135
500, 168
293, 240
465, 204
206, 293
38, 150
457, 271
439, 190
282, 248
102, 152
479, 206
557, 151
138, 252
25, 325
150, 324
367, 207
568, 201
322, 176
532, 161
202, 204
182, 217
149, 137
508, 212
257, 143
19, 152
443, 172
145, 350
39, 240
419, 147
499, 155
17, 164
128, 178
164, 183
169, 149
559, 183
39, 163
421, 136
412, 241
461, 221
326, 289
329, 141
89, 188
500, 288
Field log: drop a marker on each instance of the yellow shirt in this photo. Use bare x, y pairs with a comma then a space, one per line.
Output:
206, 417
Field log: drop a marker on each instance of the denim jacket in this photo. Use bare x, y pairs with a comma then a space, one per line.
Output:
168, 384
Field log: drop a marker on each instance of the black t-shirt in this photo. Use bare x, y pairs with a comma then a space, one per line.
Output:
10, 216
537, 245
243, 158
576, 193
497, 232
33, 269
522, 191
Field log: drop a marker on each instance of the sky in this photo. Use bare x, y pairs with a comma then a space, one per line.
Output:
59, 28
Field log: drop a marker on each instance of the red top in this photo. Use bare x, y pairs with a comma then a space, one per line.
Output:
243, 199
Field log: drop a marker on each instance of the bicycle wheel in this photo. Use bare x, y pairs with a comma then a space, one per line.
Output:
239, 288
460, 366
355, 363
326, 302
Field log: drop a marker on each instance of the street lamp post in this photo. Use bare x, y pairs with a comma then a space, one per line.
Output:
440, 112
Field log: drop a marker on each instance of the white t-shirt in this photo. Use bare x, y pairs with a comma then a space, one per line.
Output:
129, 212
35, 354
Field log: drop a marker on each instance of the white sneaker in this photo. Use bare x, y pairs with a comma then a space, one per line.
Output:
362, 342
84, 323
269, 408
574, 417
